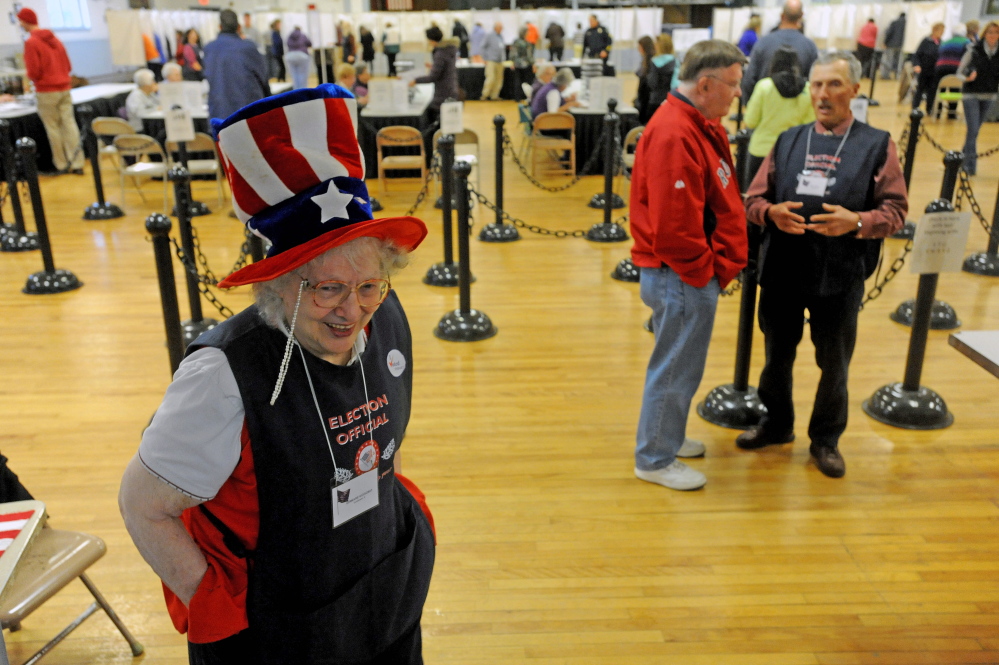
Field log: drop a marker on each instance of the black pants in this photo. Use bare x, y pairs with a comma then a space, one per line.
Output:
391, 63
864, 54
833, 327
240, 650
277, 65
556, 53
927, 86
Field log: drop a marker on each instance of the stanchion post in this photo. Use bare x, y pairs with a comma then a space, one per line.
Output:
875, 66
197, 324
102, 209
17, 239
915, 119
608, 231
908, 404
987, 262
49, 280
159, 226
498, 231
194, 208
737, 405
464, 324
446, 272
942, 315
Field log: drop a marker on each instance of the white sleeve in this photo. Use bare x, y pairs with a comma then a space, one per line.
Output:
553, 97
193, 442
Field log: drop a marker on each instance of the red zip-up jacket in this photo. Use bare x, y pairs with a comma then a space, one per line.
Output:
46, 60
684, 174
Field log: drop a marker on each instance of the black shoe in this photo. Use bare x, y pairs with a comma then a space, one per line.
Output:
828, 460
757, 437
76, 171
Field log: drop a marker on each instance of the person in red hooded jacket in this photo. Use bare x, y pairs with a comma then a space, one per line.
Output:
48, 68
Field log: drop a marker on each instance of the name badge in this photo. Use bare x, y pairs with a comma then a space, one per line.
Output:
354, 497
812, 184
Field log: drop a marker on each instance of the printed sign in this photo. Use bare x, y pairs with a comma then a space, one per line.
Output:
940, 241
451, 118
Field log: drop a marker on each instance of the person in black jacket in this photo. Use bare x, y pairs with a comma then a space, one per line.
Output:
894, 36
924, 60
444, 71
980, 67
459, 31
597, 41
367, 47
556, 41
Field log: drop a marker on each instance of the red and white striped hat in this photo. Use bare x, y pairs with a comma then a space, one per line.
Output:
296, 173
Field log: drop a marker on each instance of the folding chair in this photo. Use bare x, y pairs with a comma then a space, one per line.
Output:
630, 146
139, 146
202, 143
949, 92
400, 136
53, 560
560, 151
106, 126
468, 139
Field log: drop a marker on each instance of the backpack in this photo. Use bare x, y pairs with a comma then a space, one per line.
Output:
660, 80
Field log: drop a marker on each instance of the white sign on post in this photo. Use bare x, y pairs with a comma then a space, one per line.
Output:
179, 124
940, 241
451, 118
859, 107
176, 98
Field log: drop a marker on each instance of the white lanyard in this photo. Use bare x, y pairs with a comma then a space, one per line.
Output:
808, 146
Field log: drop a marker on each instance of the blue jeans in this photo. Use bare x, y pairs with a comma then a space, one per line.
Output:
975, 111
298, 65
682, 318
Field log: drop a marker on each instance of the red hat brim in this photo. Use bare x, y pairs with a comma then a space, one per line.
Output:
406, 232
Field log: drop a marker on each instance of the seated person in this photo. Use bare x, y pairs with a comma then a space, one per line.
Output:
546, 72
143, 99
360, 89
172, 72
346, 77
549, 99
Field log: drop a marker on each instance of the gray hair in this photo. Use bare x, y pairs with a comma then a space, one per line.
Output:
360, 69
852, 64
268, 295
564, 77
709, 54
171, 67
546, 68
144, 77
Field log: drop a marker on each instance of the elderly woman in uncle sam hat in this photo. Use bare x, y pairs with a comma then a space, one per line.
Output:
264, 493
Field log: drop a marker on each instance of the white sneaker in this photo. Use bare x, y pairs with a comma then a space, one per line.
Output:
676, 476
691, 448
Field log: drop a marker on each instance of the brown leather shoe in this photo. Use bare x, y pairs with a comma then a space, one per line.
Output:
757, 437
828, 460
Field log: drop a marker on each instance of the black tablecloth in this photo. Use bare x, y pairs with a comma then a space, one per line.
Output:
366, 137
588, 129
471, 80
31, 126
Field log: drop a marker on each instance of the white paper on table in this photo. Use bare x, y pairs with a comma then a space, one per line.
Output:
939, 243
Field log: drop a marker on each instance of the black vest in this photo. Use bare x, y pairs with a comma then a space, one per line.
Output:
812, 263
987, 80
319, 595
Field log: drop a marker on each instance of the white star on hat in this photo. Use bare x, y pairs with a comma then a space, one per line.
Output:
333, 203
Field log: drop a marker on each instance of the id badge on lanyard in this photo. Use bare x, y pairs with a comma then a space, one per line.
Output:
812, 183
354, 497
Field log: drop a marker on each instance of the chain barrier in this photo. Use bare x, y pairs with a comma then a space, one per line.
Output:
734, 287
879, 284
533, 228
902, 143
435, 169
508, 148
964, 190
923, 134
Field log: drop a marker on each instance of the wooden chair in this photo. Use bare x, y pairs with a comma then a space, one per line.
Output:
631, 146
399, 136
556, 152
53, 560
468, 141
139, 146
202, 143
106, 126
948, 92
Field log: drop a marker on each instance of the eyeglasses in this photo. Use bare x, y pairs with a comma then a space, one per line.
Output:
332, 293
734, 86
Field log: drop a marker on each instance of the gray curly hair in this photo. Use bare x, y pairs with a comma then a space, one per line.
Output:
391, 259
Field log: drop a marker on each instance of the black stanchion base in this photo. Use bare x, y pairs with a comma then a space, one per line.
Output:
907, 232
57, 281
648, 325
7, 228
598, 201
607, 233
499, 233
195, 209
942, 315
443, 274
192, 329
626, 271
873, 102
12, 241
982, 263
376, 205
908, 409
458, 327
736, 409
98, 211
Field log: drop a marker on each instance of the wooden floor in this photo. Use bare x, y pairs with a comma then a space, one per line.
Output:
550, 551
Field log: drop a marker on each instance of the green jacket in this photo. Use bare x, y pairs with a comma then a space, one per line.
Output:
781, 113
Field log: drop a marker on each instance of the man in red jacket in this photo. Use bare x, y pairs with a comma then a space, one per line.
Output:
48, 68
689, 226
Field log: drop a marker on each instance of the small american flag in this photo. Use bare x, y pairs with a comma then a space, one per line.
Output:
11, 525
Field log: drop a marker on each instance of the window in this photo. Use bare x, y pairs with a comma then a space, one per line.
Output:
69, 14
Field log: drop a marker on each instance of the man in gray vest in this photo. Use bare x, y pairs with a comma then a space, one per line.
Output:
787, 35
827, 194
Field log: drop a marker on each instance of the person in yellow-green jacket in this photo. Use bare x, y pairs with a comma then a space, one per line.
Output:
779, 102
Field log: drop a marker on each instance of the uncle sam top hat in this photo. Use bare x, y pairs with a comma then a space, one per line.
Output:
297, 178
